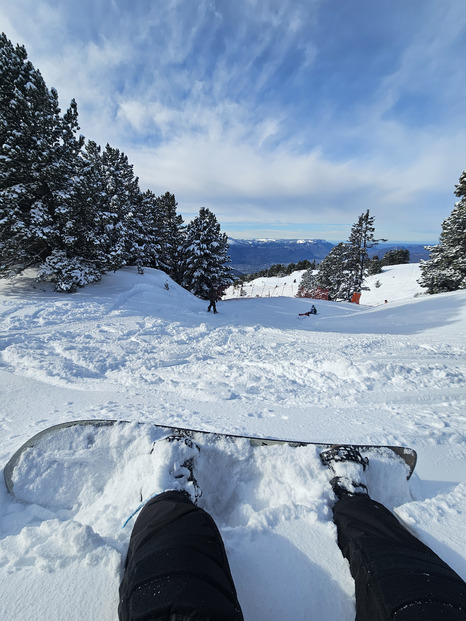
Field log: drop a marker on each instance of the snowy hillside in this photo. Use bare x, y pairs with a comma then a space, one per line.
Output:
395, 283
140, 348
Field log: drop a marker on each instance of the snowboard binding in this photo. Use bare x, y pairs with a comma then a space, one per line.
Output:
346, 462
343, 452
183, 473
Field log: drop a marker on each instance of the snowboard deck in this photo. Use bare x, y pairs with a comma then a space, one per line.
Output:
41, 442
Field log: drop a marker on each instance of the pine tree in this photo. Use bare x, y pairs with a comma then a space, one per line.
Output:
28, 123
307, 284
75, 210
124, 200
100, 221
205, 255
360, 240
344, 269
75, 257
334, 273
39, 210
445, 270
397, 256
148, 233
85, 253
171, 231
375, 266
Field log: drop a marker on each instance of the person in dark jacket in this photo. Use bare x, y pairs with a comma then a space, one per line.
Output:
177, 569
213, 297
311, 311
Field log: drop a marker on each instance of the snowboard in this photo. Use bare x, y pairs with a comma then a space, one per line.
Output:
65, 444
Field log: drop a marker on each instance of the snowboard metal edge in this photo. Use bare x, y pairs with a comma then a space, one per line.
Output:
409, 455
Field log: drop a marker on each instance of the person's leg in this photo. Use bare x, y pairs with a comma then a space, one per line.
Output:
176, 567
396, 576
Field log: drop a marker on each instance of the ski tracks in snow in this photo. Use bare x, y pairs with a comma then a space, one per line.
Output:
261, 371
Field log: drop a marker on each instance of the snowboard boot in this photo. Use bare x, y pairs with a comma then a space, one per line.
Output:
174, 458
348, 466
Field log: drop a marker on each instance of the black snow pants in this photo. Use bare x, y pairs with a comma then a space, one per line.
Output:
397, 577
176, 567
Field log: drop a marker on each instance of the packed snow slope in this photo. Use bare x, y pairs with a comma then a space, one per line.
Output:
140, 348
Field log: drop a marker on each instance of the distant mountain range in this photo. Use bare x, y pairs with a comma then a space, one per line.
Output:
252, 255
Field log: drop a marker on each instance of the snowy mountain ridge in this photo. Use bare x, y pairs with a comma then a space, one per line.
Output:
251, 255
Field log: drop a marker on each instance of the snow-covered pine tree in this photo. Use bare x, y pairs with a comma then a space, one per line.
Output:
374, 266
74, 212
206, 257
106, 229
30, 131
445, 270
331, 275
99, 221
360, 240
396, 256
172, 233
40, 210
87, 253
124, 200
74, 258
148, 230
307, 284
344, 269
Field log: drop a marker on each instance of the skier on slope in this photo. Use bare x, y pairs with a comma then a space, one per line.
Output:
177, 569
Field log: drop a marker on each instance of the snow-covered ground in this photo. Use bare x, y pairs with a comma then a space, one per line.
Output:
267, 287
129, 348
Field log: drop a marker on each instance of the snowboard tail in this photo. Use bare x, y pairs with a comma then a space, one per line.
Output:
43, 442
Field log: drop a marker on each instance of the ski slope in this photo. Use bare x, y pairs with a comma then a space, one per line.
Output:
397, 282
129, 348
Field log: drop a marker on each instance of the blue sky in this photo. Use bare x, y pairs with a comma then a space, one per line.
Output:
287, 118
